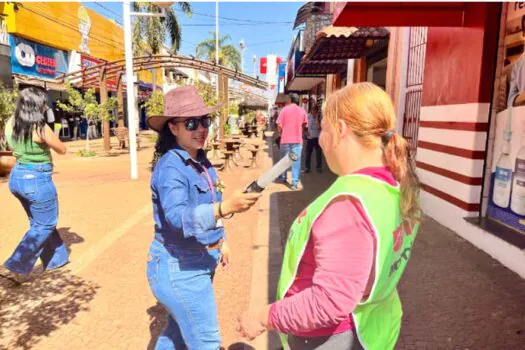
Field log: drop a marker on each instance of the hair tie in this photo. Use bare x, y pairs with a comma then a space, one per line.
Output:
387, 136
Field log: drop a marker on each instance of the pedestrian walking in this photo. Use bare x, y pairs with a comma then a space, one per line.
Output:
188, 210
312, 141
31, 182
291, 122
337, 289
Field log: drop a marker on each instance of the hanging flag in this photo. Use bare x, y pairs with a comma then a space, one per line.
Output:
264, 63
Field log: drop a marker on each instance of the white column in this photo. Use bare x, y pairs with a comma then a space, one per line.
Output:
130, 90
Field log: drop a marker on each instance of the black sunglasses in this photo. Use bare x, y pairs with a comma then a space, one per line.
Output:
192, 124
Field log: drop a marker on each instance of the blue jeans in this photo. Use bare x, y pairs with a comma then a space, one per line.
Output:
181, 280
296, 148
33, 186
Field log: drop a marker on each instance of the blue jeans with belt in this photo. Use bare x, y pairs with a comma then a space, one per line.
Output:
181, 280
33, 185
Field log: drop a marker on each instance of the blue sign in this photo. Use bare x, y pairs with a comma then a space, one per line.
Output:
30, 58
280, 77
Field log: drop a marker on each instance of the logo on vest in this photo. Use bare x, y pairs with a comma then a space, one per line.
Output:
404, 230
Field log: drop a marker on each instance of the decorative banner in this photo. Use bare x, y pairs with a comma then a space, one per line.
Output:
281, 75
271, 71
30, 58
263, 64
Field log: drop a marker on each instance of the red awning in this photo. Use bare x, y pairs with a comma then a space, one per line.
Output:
401, 14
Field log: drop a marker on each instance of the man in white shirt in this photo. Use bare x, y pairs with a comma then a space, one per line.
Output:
314, 130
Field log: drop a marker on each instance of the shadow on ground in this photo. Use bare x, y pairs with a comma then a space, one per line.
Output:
70, 238
32, 310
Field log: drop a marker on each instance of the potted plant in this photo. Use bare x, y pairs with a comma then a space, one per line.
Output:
7, 108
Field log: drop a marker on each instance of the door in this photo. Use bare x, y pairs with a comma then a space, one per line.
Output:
414, 85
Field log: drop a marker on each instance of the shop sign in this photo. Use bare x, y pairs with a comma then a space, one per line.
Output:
507, 186
88, 61
30, 58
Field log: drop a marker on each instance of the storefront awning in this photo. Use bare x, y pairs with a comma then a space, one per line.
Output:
321, 67
306, 11
34, 81
403, 14
337, 43
304, 83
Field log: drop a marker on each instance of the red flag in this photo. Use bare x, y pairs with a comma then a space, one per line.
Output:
263, 65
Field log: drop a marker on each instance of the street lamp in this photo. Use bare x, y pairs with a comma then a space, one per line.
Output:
243, 47
128, 51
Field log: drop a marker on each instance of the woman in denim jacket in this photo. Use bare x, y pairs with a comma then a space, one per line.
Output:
30, 181
189, 235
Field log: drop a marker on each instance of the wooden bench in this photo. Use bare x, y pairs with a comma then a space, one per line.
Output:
122, 135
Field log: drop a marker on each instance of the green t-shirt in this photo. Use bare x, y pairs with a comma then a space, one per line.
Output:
28, 152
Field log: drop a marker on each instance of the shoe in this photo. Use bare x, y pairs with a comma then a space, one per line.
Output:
306, 171
319, 170
294, 187
14, 277
281, 181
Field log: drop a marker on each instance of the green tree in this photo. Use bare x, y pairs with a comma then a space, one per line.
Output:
150, 33
229, 56
87, 105
155, 104
7, 108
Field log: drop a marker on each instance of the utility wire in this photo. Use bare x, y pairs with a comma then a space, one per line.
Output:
238, 19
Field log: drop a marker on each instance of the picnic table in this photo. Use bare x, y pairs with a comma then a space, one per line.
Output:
255, 146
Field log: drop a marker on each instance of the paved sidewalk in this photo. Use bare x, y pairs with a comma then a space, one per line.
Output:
454, 295
102, 299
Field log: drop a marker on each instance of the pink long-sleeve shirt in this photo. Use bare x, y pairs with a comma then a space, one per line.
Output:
335, 272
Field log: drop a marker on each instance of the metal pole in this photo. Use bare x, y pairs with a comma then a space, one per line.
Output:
217, 31
130, 90
254, 65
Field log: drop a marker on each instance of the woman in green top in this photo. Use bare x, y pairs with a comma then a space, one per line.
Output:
31, 140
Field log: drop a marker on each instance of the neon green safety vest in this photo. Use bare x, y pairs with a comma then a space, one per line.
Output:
378, 318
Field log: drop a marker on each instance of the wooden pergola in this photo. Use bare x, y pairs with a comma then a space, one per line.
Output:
98, 76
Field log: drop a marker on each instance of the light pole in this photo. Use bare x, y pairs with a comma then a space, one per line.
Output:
254, 65
130, 80
243, 47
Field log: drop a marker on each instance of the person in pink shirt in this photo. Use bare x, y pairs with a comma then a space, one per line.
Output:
291, 123
337, 269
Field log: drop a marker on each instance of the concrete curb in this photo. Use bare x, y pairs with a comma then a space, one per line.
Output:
266, 259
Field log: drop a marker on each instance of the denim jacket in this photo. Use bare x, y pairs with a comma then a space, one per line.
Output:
183, 200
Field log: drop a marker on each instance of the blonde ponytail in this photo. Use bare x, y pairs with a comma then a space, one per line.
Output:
397, 158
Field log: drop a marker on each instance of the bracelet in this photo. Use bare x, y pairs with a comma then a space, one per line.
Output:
222, 215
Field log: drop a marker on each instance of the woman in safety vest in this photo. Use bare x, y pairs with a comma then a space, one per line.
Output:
348, 249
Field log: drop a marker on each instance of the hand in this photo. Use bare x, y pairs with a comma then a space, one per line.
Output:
253, 323
239, 202
225, 254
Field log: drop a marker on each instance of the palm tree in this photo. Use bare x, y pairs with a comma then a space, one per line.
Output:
150, 33
228, 54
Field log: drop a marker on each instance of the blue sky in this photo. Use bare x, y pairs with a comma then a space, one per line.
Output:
266, 38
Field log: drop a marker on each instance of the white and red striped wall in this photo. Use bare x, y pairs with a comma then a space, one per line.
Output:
454, 128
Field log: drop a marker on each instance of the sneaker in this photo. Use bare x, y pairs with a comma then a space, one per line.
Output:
306, 171
294, 187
